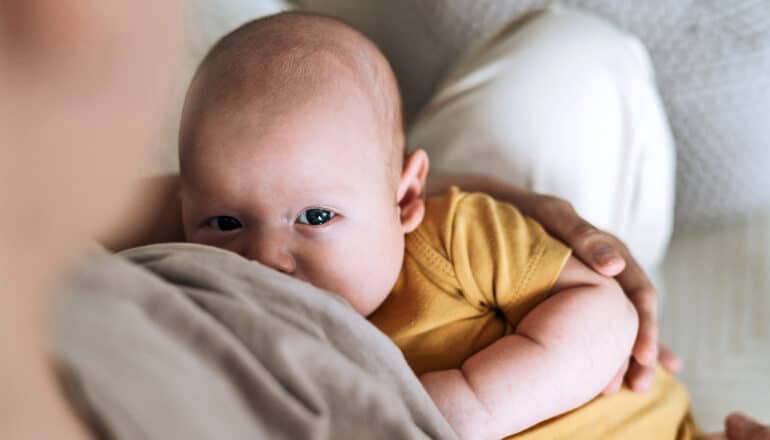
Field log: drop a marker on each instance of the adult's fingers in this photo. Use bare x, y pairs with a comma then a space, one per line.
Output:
720, 436
617, 381
598, 249
602, 251
742, 427
644, 297
639, 377
669, 360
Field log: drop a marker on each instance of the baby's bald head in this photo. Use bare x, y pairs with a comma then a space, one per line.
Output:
279, 63
291, 154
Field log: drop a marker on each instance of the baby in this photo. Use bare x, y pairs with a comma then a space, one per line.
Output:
292, 152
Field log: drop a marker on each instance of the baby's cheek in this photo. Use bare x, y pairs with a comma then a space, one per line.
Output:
359, 261
345, 270
378, 268
327, 266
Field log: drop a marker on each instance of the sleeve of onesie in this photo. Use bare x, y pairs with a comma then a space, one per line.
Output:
502, 259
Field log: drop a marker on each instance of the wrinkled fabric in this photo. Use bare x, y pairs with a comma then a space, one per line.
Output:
188, 341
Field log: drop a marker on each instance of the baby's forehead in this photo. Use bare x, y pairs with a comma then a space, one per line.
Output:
326, 85
290, 163
278, 67
280, 55
332, 110
324, 130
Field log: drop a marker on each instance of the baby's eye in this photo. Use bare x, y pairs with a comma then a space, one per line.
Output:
224, 223
315, 216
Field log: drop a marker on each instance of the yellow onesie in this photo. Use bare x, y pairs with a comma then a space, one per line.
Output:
471, 271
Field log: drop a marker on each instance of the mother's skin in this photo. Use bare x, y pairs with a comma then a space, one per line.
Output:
84, 90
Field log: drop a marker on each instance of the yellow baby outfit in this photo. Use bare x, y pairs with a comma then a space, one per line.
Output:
472, 270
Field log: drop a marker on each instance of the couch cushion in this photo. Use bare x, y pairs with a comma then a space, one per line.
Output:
716, 315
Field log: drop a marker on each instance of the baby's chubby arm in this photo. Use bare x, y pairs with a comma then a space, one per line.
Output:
563, 353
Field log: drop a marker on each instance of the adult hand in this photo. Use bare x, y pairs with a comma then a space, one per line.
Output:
666, 358
602, 251
741, 427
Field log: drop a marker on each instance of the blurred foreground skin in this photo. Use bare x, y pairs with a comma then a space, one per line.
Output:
83, 89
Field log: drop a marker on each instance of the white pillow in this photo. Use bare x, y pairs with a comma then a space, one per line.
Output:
712, 58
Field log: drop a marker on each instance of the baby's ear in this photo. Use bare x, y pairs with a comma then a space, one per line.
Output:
411, 190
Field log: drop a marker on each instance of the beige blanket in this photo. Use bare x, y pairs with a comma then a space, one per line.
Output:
181, 341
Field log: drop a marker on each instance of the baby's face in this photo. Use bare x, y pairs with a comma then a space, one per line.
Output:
304, 189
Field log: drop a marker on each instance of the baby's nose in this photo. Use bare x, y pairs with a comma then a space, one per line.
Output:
271, 250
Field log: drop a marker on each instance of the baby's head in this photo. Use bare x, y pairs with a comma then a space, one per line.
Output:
292, 154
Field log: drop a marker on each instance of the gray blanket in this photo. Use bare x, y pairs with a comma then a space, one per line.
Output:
181, 341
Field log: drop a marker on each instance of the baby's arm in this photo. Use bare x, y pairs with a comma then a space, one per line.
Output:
563, 353
599, 249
